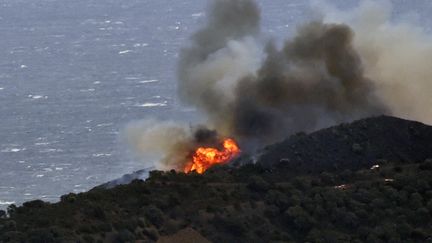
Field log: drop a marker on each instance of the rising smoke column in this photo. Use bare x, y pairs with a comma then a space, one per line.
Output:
258, 93
346, 66
218, 55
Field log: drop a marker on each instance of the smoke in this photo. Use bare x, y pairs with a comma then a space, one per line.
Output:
220, 54
168, 144
396, 55
337, 68
258, 93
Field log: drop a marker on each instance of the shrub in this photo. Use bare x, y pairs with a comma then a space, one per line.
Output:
154, 215
427, 165
68, 198
327, 178
125, 236
11, 209
9, 225
233, 225
151, 233
258, 184
299, 218
88, 239
41, 235
35, 204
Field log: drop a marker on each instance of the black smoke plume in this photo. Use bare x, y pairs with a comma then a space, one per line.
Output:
316, 79
338, 68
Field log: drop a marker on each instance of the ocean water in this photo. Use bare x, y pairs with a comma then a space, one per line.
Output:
74, 73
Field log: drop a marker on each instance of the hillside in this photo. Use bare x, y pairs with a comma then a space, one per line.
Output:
295, 193
360, 144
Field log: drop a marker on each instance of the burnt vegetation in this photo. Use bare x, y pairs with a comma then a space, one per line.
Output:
261, 202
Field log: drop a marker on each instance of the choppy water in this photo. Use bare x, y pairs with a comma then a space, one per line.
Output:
73, 73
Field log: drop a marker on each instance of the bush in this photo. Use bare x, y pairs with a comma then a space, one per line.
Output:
104, 227
427, 165
233, 225
88, 239
125, 236
85, 228
327, 178
258, 184
9, 225
154, 215
151, 233
416, 200
11, 209
299, 218
69, 198
41, 235
35, 204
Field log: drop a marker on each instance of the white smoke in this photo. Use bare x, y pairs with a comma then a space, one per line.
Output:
397, 55
160, 144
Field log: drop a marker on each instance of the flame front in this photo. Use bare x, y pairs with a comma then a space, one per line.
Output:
203, 158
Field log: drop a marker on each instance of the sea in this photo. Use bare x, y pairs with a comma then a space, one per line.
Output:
73, 74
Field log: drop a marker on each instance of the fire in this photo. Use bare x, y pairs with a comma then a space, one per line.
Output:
204, 157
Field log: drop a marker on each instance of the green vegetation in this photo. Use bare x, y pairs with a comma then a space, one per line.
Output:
392, 203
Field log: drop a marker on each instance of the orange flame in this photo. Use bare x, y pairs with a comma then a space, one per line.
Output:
204, 158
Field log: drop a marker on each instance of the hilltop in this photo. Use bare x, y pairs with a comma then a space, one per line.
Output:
355, 145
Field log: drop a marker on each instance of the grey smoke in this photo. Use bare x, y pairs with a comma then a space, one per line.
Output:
218, 50
343, 66
397, 56
315, 80
167, 145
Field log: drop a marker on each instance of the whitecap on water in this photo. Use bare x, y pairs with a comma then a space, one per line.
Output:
12, 150
6, 202
124, 52
197, 15
140, 44
41, 144
104, 124
150, 104
37, 97
87, 90
50, 150
101, 155
148, 81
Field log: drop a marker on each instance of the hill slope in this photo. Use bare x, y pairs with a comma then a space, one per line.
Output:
283, 198
352, 146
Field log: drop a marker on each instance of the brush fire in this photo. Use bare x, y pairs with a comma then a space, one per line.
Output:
248, 88
205, 157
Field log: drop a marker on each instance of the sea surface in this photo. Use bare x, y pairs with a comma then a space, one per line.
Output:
74, 73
